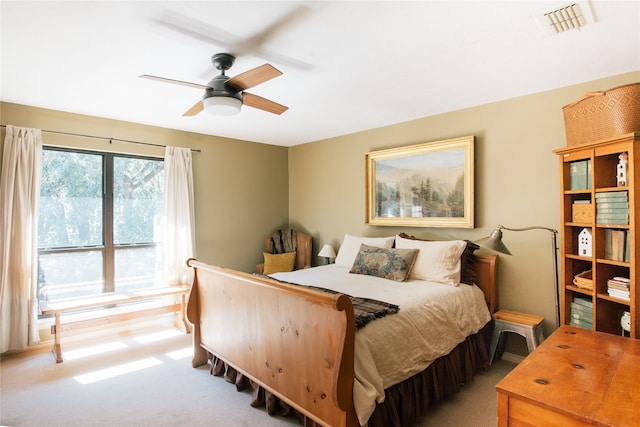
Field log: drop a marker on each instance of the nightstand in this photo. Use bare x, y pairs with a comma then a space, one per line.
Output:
528, 325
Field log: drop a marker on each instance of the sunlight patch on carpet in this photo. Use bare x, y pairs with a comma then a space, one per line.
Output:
181, 354
115, 371
90, 351
158, 336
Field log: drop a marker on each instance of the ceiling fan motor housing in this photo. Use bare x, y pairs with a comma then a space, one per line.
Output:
217, 87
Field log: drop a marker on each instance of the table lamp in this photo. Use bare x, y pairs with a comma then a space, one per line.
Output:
327, 252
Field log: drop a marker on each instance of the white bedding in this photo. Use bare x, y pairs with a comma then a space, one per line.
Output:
433, 319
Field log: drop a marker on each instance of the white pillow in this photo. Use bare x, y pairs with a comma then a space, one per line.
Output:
437, 261
351, 246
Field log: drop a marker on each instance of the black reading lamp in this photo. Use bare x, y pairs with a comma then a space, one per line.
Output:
494, 242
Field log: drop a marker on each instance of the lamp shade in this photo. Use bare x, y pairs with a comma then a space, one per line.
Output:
222, 105
494, 242
327, 252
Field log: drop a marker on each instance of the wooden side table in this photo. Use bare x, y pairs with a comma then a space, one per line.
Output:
575, 377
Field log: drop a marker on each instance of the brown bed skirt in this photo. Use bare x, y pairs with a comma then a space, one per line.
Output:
405, 402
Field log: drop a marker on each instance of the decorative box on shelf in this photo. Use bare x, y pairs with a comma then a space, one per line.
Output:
582, 212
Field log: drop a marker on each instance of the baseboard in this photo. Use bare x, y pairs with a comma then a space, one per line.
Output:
512, 357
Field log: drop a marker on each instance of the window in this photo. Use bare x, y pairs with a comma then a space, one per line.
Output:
99, 223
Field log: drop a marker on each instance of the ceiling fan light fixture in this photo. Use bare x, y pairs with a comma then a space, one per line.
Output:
222, 105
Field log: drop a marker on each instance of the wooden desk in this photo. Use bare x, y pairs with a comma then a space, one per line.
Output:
575, 377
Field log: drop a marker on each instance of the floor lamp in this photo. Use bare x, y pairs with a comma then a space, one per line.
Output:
494, 242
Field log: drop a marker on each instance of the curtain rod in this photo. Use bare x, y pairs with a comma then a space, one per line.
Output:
107, 138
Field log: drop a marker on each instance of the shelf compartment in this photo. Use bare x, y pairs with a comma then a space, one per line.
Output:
613, 245
608, 315
571, 240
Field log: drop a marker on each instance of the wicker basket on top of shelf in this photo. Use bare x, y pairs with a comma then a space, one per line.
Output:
599, 115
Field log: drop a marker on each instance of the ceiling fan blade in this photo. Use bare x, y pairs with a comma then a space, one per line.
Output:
178, 82
261, 103
197, 107
256, 42
253, 77
197, 29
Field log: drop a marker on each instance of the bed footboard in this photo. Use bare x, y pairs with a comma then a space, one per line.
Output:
295, 342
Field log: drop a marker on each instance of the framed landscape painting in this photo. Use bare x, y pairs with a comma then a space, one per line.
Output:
424, 185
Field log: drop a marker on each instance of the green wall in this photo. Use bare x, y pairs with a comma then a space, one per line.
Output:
241, 188
245, 190
516, 184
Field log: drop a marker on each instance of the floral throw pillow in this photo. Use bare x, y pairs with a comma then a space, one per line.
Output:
392, 264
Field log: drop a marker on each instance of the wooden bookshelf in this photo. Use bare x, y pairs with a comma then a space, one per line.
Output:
603, 157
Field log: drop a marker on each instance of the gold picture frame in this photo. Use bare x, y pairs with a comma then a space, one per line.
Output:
424, 185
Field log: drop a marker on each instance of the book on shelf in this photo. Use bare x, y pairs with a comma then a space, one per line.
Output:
581, 324
619, 282
615, 244
607, 207
580, 175
627, 248
612, 196
612, 207
618, 287
613, 219
581, 316
623, 295
581, 309
585, 302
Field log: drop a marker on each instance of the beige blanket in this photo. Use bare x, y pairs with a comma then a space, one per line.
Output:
432, 320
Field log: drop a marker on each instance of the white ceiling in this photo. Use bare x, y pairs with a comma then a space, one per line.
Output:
350, 65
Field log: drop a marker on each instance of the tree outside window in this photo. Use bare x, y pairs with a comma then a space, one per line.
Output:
99, 222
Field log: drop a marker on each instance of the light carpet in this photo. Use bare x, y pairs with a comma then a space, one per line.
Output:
142, 376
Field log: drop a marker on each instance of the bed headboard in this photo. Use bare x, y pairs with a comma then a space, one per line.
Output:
486, 279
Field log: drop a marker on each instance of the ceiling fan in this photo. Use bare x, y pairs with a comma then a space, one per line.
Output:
225, 95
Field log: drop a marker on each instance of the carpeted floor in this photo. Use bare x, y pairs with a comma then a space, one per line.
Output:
142, 376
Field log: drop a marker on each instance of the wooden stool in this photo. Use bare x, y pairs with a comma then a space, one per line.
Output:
528, 325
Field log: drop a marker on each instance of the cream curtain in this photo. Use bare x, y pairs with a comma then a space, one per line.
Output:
19, 195
179, 219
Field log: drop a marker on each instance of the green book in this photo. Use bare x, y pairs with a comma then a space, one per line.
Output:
607, 208
581, 324
612, 195
580, 309
608, 243
582, 317
627, 249
586, 302
579, 176
612, 221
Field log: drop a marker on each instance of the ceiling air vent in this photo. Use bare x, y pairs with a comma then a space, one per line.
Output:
567, 18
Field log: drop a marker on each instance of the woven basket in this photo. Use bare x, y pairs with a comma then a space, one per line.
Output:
583, 280
600, 115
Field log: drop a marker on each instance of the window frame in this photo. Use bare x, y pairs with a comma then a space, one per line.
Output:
107, 248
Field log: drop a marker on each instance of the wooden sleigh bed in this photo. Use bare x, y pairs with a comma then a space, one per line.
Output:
298, 345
